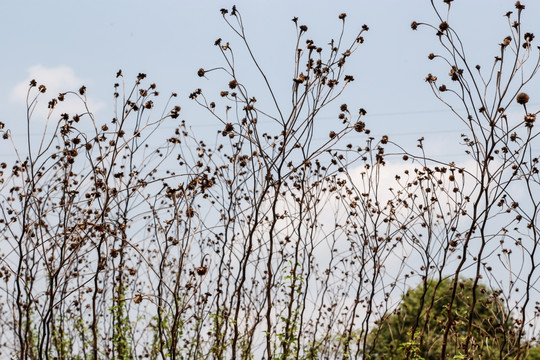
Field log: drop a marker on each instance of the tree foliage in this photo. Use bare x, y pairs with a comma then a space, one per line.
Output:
416, 327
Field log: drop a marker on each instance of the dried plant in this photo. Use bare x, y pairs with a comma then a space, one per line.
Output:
272, 243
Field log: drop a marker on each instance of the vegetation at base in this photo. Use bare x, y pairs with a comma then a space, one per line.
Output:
416, 328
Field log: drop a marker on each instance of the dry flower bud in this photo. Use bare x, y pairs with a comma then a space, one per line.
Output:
530, 118
359, 126
431, 78
522, 98
300, 79
444, 26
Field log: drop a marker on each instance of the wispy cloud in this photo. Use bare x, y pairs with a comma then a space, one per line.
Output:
57, 80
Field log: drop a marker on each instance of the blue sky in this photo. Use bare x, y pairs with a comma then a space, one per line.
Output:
70, 43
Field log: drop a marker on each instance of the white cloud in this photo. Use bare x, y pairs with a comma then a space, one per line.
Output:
56, 80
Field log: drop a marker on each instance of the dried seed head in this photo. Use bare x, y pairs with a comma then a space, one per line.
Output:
528, 37
342, 16
431, 78
444, 26
201, 72
507, 40
303, 28
300, 79
530, 118
519, 6
82, 90
359, 126
414, 25
175, 112
201, 270
233, 84
522, 98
